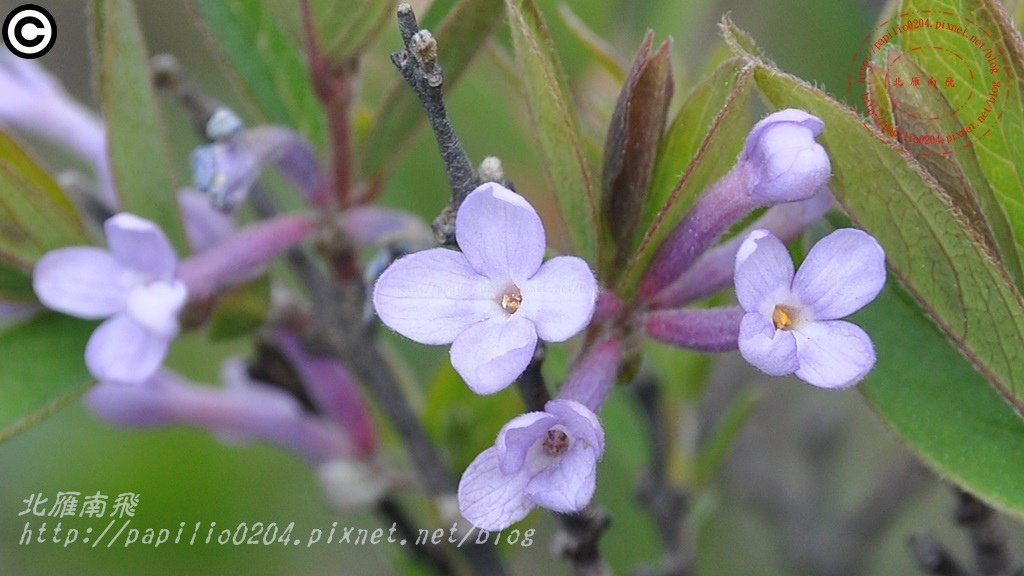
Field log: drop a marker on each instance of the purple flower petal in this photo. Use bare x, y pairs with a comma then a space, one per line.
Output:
434, 295
517, 437
580, 422
500, 233
764, 272
155, 306
788, 163
83, 281
489, 498
843, 271
122, 350
141, 245
772, 351
833, 354
491, 355
559, 298
567, 485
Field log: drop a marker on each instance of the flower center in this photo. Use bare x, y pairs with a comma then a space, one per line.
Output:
784, 316
511, 299
556, 443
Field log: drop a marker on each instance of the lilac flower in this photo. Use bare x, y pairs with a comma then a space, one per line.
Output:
546, 459
134, 285
495, 298
792, 322
780, 162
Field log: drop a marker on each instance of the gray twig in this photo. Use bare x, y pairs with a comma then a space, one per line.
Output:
933, 558
668, 504
420, 68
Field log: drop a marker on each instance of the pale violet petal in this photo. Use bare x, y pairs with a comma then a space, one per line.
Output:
843, 271
122, 350
764, 272
434, 295
491, 355
490, 499
580, 422
82, 281
517, 437
568, 484
500, 233
141, 245
770, 350
833, 354
559, 298
156, 306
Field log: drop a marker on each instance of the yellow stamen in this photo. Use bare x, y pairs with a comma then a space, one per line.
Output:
511, 299
782, 317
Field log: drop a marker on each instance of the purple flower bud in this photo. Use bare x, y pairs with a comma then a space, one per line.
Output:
34, 102
242, 410
134, 285
226, 170
592, 378
788, 164
791, 322
706, 330
243, 255
780, 162
333, 389
204, 226
493, 300
713, 270
547, 459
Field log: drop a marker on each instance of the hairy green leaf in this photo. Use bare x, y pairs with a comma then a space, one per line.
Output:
49, 370
555, 126
35, 214
139, 158
940, 406
975, 54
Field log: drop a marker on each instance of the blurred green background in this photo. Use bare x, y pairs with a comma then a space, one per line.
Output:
188, 476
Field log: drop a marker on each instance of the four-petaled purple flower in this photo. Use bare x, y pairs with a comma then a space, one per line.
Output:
792, 321
546, 459
134, 285
495, 298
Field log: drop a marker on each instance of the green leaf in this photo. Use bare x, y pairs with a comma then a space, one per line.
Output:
15, 284
634, 133
717, 152
923, 117
995, 128
555, 126
272, 71
928, 245
241, 310
139, 158
45, 369
35, 214
684, 136
941, 407
346, 27
460, 35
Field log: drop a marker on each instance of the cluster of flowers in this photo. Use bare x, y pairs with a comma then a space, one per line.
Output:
492, 300
495, 298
